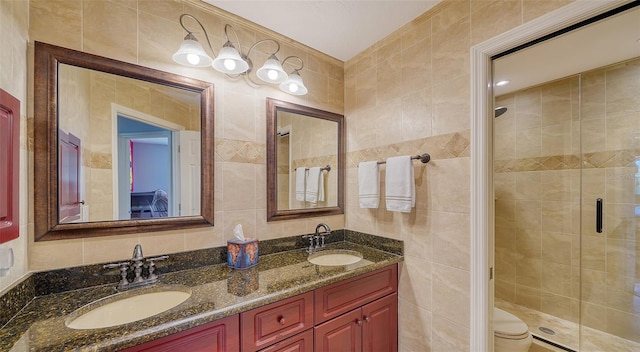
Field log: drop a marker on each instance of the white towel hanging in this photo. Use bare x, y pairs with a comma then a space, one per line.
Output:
301, 178
369, 184
314, 186
400, 191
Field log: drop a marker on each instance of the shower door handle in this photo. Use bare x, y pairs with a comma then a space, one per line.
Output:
599, 215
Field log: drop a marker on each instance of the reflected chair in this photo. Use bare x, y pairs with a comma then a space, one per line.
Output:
160, 204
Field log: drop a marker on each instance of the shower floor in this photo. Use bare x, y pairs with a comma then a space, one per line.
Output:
567, 333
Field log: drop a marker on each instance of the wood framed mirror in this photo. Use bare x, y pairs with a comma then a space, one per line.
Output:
300, 139
105, 133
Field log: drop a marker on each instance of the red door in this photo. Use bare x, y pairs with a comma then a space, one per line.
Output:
9, 166
69, 177
380, 327
341, 334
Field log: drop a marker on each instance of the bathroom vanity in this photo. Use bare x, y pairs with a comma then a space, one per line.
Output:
284, 303
361, 312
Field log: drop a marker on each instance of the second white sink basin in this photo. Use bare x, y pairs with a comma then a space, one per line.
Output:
126, 308
335, 257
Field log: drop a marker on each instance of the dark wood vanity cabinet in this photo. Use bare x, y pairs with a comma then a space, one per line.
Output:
360, 314
357, 314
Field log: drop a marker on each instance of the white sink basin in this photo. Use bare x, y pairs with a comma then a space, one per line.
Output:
126, 308
335, 257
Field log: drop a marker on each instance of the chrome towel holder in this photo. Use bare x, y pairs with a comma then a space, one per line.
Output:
424, 158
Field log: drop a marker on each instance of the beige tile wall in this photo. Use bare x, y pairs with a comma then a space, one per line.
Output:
148, 33
541, 237
408, 94
14, 30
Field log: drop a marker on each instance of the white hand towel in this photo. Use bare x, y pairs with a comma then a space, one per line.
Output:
321, 186
369, 184
400, 193
313, 185
301, 178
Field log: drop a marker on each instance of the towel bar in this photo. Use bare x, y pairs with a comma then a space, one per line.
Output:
326, 168
424, 158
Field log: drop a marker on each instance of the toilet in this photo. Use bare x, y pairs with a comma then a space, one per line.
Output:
510, 334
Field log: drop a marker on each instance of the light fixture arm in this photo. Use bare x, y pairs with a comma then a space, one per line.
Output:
226, 34
190, 33
264, 41
294, 57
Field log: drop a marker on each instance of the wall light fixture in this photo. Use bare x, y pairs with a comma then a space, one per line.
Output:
234, 63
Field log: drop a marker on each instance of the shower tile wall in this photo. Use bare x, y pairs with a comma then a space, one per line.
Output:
538, 198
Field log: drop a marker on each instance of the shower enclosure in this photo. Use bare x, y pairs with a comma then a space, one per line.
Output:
567, 208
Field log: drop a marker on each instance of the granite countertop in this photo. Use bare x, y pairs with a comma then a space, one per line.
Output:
217, 292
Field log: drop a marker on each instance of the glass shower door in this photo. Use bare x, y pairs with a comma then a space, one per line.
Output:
609, 241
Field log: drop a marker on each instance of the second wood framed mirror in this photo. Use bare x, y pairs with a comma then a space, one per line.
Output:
305, 161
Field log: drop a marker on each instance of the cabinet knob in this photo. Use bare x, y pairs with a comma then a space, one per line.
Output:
359, 322
366, 319
281, 320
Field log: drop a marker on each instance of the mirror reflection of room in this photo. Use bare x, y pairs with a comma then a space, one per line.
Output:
148, 167
307, 149
144, 170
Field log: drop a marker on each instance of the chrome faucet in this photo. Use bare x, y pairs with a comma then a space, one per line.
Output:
136, 265
316, 241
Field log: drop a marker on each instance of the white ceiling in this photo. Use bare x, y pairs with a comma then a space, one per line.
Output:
339, 28
344, 28
599, 44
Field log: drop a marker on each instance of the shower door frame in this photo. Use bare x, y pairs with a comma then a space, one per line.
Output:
482, 205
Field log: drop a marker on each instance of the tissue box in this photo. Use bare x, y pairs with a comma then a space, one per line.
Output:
242, 254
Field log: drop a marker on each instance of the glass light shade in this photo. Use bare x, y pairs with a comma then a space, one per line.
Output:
293, 85
191, 53
271, 71
229, 61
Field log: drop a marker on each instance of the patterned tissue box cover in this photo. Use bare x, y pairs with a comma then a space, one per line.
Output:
242, 254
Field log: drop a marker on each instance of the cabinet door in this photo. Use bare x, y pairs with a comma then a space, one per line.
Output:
9, 166
264, 326
380, 328
218, 336
299, 343
341, 334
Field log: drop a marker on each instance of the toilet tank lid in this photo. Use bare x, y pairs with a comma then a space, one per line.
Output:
505, 323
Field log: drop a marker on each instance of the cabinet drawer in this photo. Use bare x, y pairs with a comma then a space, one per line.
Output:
343, 296
264, 326
299, 343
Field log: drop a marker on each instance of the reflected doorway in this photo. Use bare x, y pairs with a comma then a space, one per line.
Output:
144, 170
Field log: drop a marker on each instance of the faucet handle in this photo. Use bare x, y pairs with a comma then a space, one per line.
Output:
116, 265
157, 259
311, 238
124, 267
152, 266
